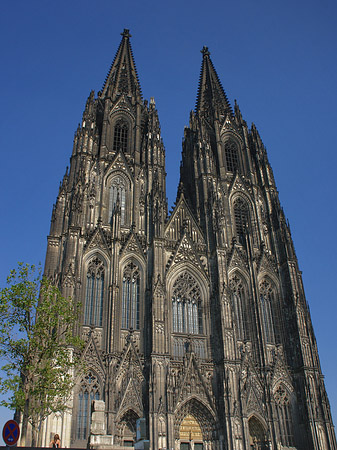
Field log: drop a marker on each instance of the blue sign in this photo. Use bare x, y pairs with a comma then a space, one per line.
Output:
11, 433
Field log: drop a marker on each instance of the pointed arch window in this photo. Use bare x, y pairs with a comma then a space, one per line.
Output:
130, 297
231, 156
266, 302
241, 217
283, 407
238, 303
93, 313
186, 305
117, 197
121, 136
90, 390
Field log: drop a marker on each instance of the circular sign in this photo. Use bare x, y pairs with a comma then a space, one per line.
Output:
11, 432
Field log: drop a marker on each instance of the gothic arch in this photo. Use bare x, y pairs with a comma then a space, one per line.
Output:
244, 195
132, 282
258, 432
243, 213
270, 278
283, 383
231, 156
284, 409
125, 434
201, 412
195, 271
122, 172
271, 317
230, 134
188, 301
228, 139
118, 186
92, 253
239, 291
94, 292
88, 389
241, 272
135, 259
121, 113
125, 119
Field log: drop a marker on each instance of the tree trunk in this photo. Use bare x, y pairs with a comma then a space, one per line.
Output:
24, 426
34, 434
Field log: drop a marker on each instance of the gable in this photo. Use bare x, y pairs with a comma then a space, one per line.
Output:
98, 239
118, 164
182, 220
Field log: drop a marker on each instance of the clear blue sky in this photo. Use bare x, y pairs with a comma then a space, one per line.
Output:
278, 59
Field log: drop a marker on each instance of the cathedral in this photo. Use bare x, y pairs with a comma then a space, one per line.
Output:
194, 320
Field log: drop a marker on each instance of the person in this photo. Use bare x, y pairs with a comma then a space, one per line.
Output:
55, 443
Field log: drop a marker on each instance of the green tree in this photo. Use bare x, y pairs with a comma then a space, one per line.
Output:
38, 345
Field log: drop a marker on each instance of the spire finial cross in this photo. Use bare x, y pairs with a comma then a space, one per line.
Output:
205, 51
126, 33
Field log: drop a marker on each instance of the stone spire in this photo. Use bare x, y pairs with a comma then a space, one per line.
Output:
122, 77
211, 98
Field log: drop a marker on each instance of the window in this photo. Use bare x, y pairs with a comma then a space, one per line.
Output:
180, 346
241, 216
130, 297
93, 313
117, 195
238, 298
121, 136
186, 305
90, 390
266, 300
231, 155
284, 416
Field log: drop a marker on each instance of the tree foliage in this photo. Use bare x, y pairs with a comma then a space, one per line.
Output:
38, 345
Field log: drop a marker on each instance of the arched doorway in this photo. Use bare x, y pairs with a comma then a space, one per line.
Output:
194, 426
190, 434
257, 435
127, 429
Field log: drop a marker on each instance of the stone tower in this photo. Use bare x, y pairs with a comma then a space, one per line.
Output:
197, 320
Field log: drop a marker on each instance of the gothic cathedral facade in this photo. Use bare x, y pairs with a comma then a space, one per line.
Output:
195, 320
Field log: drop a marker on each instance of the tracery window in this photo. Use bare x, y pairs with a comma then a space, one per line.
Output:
89, 391
186, 305
118, 194
241, 216
180, 346
283, 407
93, 312
121, 136
130, 297
238, 302
232, 157
266, 301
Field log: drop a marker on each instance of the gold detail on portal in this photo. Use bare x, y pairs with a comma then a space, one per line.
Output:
190, 429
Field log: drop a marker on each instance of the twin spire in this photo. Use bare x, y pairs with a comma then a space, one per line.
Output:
123, 79
211, 97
